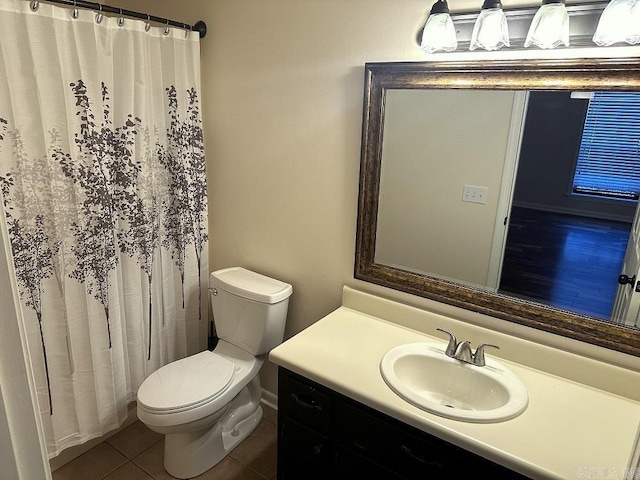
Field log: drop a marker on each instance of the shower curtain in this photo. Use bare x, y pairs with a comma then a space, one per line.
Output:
103, 185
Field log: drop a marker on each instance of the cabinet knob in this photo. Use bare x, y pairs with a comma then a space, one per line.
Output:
418, 458
312, 405
359, 446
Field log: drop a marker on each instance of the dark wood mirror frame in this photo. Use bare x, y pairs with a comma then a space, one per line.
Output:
572, 74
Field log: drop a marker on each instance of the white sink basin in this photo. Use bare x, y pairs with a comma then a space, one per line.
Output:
423, 375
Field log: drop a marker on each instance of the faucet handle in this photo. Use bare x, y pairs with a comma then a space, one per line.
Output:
478, 357
453, 343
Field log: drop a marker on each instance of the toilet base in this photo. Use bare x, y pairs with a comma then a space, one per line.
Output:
190, 454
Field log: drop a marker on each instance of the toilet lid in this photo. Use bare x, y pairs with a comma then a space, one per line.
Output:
186, 383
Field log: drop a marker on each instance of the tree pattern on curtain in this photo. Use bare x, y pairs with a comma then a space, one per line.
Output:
119, 212
105, 172
183, 219
33, 248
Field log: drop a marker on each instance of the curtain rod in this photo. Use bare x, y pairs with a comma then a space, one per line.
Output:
199, 27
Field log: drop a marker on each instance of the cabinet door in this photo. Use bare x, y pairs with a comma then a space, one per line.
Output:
380, 440
302, 452
350, 466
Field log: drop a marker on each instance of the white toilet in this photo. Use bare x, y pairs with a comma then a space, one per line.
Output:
209, 402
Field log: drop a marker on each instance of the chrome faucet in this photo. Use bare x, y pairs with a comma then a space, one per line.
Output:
462, 351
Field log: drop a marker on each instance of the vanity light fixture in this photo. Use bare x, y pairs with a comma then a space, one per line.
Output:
439, 33
619, 22
550, 26
490, 31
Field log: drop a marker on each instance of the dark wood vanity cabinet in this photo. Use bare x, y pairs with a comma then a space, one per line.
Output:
325, 435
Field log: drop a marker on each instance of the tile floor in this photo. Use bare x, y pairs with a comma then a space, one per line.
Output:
136, 453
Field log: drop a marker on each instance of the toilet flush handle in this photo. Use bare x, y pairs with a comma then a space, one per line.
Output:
213, 291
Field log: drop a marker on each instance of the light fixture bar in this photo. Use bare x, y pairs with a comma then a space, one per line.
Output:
583, 22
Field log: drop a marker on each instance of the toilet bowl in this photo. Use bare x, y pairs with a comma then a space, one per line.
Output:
207, 403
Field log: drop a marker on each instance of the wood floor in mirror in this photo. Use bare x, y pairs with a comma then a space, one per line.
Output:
559, 260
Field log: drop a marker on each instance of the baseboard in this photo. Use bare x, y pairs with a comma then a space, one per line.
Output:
269, 399
574, 211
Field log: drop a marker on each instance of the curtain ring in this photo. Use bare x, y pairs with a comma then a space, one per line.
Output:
75, 13
99, 15
35, 5
166, 29
147, 25
120, 19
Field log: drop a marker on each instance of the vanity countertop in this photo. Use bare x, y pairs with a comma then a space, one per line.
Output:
569, 429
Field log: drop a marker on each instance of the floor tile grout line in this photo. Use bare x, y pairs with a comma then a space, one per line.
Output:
143, 451
141, 467
249, 467
116, 468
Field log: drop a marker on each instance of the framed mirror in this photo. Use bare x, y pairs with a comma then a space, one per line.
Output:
485, 107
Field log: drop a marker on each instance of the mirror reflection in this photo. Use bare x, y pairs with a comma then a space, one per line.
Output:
527, 194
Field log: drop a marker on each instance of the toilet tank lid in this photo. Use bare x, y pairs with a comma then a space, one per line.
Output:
254, 286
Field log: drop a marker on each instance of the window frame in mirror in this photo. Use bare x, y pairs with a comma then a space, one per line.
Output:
539, 74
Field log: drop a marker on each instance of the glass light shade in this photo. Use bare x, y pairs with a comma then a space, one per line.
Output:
550, 27
490, 31
619, 22
439, 34
634, 37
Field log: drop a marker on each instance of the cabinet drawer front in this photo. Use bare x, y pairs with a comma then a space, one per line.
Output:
374, 437
305, 402
350, 466
303, 453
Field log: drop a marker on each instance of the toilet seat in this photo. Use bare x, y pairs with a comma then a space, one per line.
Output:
213, 379
186, 384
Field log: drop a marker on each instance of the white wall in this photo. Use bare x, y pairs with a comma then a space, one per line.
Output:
435, 142
282, 101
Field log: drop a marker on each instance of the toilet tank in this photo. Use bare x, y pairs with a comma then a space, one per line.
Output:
249, 309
